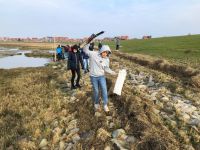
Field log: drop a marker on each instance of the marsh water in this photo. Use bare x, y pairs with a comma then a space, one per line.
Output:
17, 59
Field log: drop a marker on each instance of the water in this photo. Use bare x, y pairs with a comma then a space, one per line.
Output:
8, 49
22, 61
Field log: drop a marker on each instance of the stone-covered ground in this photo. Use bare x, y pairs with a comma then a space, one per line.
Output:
156, 111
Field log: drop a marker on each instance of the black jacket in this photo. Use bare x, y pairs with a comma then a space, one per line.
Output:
74, 60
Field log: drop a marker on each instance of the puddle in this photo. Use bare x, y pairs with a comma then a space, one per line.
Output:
17, 61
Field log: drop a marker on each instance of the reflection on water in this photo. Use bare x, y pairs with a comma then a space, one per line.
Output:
8, 49
21, 61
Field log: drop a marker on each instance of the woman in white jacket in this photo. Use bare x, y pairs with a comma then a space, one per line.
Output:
99, 64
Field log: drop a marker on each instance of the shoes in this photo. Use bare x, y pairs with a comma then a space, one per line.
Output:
78, 86
73, 87
106, 109
96, 107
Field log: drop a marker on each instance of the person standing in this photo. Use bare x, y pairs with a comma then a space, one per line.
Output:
74, 61
117, 43
85, 61
59, 52
99, 64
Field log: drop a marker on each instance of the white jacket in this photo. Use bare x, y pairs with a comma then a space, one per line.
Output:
98, 65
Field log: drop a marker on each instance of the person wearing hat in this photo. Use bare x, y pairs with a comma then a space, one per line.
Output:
99, 64
74, 61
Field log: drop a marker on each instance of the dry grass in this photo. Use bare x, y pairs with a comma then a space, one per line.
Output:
28, 106
163, 65
24, 45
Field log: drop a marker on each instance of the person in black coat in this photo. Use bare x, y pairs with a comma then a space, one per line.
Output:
74, 61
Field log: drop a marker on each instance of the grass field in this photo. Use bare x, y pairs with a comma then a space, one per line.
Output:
184, 50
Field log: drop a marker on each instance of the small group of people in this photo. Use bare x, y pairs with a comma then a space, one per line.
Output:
62, 52
94, 62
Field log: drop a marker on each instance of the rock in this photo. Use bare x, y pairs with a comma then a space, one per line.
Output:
43, 143
97, 114
142, 87
72, 131
154, 94
111, 125
173, 124
54, 67
194, 122
189, 147
150, 83
55, 123
61, 145
109, 117
117, 133
75, 138
156, 111
184, 117
131, 139
169, 104
165, 99
107, 148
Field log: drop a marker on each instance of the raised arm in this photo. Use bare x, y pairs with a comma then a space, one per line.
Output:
87, 51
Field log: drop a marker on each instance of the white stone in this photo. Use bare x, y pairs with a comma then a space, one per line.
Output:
165, 99
117, 133
184, 117
43, 143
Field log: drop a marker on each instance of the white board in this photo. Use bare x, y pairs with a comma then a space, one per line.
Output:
120, 82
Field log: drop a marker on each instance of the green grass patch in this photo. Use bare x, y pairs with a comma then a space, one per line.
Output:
184, 50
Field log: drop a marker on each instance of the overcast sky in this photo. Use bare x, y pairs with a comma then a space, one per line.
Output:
80, 18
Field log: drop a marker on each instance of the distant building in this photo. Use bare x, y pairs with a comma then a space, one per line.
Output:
146, 37
123, 37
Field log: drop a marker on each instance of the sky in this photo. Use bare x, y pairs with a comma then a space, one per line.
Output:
81, 18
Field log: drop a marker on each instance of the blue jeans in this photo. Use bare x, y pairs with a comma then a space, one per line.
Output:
86, 64
99, 82
66, 55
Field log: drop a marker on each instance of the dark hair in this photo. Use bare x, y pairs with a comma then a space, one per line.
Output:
75, 47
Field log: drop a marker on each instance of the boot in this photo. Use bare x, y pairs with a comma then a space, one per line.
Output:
73, 87
78, 85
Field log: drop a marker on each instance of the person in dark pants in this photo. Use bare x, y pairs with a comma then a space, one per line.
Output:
59, 52
74, 61
117, 43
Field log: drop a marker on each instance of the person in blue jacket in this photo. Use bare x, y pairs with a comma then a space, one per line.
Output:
59, 52
74, 61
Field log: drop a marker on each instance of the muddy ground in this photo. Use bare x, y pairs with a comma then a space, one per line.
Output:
38, 110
